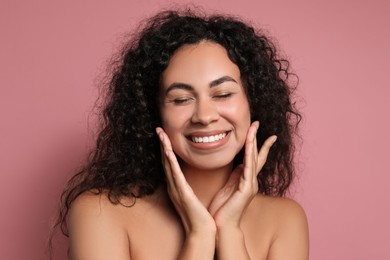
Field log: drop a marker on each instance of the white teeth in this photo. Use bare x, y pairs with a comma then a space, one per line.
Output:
208, 139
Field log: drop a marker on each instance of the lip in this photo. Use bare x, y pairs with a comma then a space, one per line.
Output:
211, 145
208, 133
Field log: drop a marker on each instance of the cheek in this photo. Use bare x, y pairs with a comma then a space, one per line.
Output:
173, 122
237, 111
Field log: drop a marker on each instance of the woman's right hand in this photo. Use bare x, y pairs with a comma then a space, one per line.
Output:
195, 218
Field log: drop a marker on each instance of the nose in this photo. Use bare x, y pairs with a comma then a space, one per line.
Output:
205, 112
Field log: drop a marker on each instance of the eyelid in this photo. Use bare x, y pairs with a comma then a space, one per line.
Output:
180, 100
226, 94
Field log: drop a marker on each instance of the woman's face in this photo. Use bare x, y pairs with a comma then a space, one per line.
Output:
204, 108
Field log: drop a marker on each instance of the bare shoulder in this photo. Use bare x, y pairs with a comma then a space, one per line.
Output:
97, 206
96, 229
290, 233
283, 209
99, 229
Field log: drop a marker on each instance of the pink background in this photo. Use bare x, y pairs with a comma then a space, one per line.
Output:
52, 53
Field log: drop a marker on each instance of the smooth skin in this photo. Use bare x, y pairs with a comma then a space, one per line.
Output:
222, 220
206, 208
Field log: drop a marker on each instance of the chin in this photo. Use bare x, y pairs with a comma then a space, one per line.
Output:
209, 162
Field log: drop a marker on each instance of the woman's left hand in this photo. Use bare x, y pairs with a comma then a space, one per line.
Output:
231, 201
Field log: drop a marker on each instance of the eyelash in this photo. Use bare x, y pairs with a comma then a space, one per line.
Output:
223, 95
182, 101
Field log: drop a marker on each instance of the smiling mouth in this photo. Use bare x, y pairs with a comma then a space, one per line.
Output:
208, 139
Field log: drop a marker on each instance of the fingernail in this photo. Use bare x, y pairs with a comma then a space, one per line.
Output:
273, 140
159, 133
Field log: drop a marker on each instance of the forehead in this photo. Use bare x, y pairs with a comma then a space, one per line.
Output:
199, 64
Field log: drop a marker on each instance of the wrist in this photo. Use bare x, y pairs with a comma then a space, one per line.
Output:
230, 244
198, 245
202, 233
231, 232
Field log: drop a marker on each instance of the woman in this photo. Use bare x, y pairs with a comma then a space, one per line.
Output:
177, 173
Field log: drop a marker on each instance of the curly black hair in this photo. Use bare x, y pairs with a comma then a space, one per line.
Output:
127, 158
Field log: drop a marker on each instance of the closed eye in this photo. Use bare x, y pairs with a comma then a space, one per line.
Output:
181, 101
223, 95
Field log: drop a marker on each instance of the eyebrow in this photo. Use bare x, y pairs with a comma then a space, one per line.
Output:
214, 83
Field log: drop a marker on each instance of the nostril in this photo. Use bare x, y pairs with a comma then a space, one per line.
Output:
205, 113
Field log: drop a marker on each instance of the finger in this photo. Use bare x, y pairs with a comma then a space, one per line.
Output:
169, 160
233, 180
255, 159
263, 154
160, 137
176, 174
250, 148
164, 159
253, 170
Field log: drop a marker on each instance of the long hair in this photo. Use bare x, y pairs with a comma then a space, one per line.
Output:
127, 161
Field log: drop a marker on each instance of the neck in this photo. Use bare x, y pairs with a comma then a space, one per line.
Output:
206, 183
